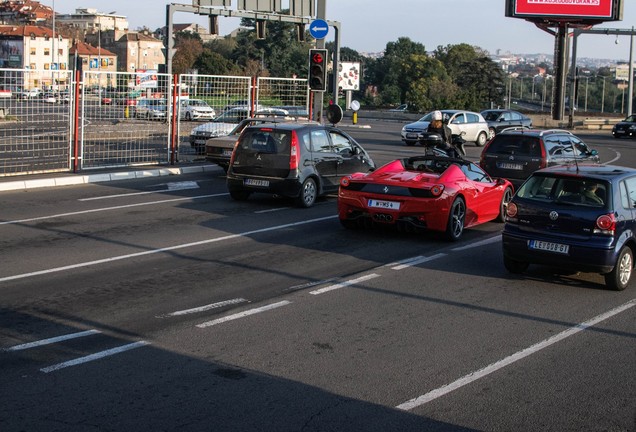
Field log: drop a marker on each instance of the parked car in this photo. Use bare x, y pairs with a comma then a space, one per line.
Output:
423, 193
30, 93
294, 110
574, 218
300, 160
401, 108
515, 154
218, 149
500, 119
195, 109
223, 125
625, 128
150, 109
472, 123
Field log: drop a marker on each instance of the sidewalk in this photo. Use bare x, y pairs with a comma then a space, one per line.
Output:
67, 179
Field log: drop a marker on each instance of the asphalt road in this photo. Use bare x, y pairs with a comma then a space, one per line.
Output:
161, 304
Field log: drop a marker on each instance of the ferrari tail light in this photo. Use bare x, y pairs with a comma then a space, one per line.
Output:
605, 224
294, 152
345, 181
511, 209
437, 190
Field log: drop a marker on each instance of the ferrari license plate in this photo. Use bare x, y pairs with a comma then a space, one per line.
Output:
510, 166
389, 205
255, 182
548, 246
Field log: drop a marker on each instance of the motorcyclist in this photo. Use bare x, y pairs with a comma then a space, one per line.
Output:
439, 127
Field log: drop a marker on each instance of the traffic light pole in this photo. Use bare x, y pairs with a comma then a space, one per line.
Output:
321, 13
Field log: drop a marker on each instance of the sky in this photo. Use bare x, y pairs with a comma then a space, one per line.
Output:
368, 25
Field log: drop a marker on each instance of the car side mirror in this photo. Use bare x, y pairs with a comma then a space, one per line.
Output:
501, 182
593, 152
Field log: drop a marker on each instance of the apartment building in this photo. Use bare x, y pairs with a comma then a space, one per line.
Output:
99, 62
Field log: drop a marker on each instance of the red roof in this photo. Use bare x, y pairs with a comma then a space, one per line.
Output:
85, 49
25, 31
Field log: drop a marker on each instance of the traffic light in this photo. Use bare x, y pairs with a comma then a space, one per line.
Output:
318, 69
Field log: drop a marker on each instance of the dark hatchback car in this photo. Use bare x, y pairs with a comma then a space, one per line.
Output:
300, 160
625, 128
515, 154
500, 119
218, 150
574, 218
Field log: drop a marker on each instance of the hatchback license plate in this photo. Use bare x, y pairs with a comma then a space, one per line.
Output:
390, 205
510, 166
548, 246
227, 153
255, 182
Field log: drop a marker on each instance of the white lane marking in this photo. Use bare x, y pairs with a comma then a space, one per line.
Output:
111, 208
417, 260
161, 250
474, 376
205, 308
271, 210
177, 186
95, 356
243, 314
309, 284
50, 340
344, 284
609, 162
487, 241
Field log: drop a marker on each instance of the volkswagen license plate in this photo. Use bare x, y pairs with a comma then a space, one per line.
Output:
390, 205
510, 166
548, 246
255, 182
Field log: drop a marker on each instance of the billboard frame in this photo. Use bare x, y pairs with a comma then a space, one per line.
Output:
558, 12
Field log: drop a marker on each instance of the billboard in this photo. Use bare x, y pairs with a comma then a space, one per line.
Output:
349, 76
564, 10
11, 53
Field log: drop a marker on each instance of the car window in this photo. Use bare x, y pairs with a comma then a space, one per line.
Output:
472, 118
507, 116
624, 196
630, 183
265, 141
474, 173
580, 191
341, 144
458, 119
491, 115
319, 141
516, 145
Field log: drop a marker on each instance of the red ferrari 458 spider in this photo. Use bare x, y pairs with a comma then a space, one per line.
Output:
423, 192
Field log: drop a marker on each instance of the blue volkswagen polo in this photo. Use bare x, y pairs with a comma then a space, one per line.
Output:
580, 218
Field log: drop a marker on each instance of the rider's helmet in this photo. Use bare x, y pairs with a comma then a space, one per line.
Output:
437, 115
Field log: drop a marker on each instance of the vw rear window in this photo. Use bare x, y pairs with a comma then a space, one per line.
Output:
516, 145
562, 190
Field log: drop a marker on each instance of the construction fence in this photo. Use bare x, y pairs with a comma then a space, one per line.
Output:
62, 121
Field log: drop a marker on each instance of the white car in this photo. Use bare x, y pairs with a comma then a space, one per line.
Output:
459, 121
195, 109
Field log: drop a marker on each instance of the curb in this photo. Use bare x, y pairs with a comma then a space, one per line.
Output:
101, 177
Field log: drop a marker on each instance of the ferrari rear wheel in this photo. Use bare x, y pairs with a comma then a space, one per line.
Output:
455, 226
505, 199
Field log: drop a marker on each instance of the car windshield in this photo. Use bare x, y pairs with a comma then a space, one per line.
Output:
568, 191
266, 141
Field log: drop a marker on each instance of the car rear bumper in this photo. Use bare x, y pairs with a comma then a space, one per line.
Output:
582, 255
288, 187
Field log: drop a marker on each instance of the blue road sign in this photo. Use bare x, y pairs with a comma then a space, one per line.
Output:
318, 29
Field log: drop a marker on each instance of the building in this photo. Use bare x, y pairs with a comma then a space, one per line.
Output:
34, 48
91, 21
97, 63
24, 12
138, 51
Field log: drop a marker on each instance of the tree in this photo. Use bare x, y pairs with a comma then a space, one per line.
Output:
389, 72
188, 50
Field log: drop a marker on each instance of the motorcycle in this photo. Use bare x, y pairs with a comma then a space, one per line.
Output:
434, 145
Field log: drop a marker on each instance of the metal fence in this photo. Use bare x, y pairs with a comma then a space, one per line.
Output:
35, 127
121, 119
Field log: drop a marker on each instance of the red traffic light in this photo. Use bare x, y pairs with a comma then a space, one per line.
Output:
317, 58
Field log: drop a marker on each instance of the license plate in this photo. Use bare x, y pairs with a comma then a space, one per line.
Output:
412, 135
510, 166
255, 182
548, 246
390, 205
199, 141
227, 153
